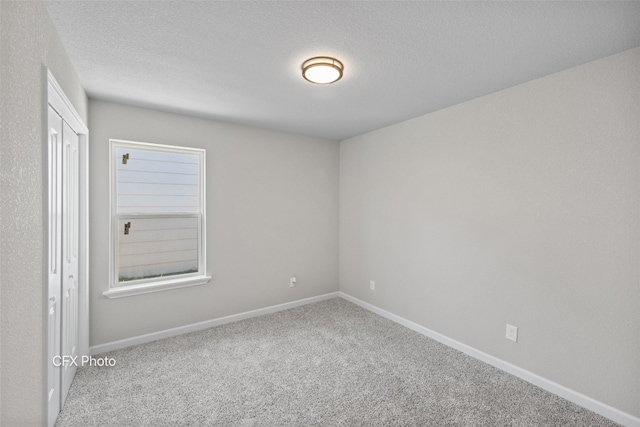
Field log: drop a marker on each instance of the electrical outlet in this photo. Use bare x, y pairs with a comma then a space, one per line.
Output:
372, 285
292, 281
512, 333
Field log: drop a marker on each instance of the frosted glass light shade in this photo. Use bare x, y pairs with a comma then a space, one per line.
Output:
322, 70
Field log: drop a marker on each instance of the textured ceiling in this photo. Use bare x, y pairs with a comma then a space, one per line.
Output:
240, 61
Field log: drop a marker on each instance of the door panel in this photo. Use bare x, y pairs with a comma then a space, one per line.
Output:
54, 265
70, 193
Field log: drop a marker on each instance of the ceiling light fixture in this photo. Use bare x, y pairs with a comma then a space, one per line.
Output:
322, 70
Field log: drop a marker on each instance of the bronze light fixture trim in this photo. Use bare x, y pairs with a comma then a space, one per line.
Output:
322, 70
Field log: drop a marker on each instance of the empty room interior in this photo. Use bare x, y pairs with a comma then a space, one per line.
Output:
320, 213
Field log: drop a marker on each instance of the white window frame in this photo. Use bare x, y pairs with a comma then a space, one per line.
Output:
142, 286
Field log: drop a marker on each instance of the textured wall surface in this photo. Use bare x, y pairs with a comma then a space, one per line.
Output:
272, 213
29, 41
519, 207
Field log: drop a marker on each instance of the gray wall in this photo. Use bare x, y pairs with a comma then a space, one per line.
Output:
272, 212
522, 207
29, 41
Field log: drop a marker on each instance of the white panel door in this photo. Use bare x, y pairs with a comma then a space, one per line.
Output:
54, 265
70, 214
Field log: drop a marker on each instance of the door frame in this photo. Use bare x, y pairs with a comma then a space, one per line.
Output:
56, 98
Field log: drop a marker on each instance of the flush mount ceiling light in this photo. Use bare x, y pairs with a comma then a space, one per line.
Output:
322, 70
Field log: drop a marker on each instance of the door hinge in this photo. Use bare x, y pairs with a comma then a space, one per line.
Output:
125, 157
127, 226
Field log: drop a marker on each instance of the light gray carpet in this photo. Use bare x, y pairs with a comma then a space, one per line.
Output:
330, 363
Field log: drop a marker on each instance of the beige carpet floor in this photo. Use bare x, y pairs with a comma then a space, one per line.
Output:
330, 363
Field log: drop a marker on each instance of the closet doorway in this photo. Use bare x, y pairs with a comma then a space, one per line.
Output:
67, 247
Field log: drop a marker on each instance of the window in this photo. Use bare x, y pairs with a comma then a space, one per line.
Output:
157, 218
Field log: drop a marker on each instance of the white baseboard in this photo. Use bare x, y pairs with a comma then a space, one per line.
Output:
142, 339
573, 396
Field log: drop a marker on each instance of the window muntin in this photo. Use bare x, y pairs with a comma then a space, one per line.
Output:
158, 215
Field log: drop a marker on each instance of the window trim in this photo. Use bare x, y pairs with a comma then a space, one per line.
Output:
144, 286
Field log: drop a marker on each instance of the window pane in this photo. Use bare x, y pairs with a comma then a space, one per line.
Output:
157, 182
157, 247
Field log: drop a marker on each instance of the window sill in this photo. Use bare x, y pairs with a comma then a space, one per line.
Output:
164, 285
